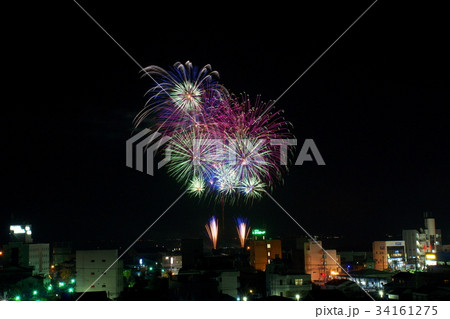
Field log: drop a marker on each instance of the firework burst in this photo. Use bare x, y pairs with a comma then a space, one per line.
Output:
192, 108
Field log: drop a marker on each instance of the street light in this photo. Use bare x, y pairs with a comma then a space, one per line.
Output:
35, 292
245, 298
297, 297
17, 298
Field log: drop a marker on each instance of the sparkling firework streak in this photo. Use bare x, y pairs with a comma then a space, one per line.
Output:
195, 111
212, 228
243, 229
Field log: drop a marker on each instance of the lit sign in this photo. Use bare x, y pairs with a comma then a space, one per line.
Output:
17, 229
258, 232
430, 256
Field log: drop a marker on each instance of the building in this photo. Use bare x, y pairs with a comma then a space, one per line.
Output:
369, 279
229, 283
421, 243
171, 263
319, 263
412, 245
21, 254
349, 288
285, 283
263, 250
91, 264
389, 255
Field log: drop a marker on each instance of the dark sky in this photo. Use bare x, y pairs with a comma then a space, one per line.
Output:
377, 106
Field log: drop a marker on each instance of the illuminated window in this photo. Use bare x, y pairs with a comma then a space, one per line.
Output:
268, 253
268, 246
298, 282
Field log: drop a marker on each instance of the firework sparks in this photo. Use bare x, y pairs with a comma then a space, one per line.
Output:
192, 108
212, 228
243, 229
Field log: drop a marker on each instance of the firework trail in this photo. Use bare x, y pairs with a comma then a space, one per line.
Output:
212, 228
194, 110
243, 229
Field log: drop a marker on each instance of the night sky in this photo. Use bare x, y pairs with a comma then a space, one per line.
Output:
377, 106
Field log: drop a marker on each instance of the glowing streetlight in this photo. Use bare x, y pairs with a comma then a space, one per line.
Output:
245, 299
297, 297
35, 292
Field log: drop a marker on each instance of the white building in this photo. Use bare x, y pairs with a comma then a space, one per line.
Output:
39, 258
229, 283
283, 283
422, 243
91, 264
319, 263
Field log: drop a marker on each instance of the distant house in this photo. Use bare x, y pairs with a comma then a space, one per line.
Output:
285, 283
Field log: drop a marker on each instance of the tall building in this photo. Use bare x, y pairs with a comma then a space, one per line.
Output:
389, 255
422, 243
263, 250
319, 263
413, 248
91, 264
